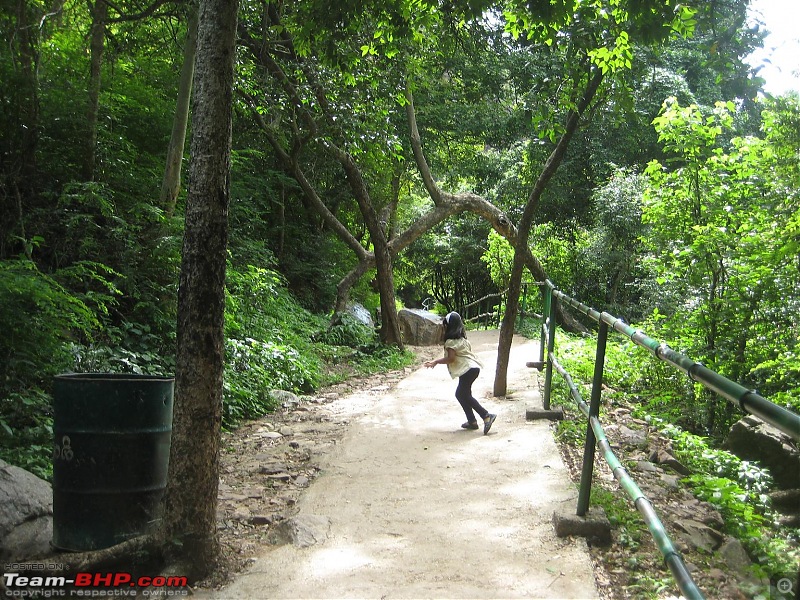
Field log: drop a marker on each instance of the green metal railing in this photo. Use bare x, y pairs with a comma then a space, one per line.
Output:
485, 312
488, 311
748, 400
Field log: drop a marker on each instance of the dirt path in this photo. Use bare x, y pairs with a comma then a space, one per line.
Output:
409, 505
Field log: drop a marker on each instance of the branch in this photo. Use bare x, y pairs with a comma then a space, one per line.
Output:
557, 155
309, 193
416, 146
150, 11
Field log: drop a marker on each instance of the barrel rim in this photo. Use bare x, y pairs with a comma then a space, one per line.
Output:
112, 377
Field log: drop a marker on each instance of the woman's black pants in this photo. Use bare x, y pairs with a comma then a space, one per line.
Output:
465, 397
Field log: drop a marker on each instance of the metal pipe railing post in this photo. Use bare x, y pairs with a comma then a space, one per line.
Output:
551, 341
547, 295
594, 412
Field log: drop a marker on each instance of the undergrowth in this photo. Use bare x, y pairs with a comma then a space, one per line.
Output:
737, 488
271, 342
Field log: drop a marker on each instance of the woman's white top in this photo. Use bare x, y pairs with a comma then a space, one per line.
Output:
465, 359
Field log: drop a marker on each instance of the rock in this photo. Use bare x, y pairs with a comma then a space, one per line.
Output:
284, 398
274, 468
304, 530
26, 514
594, 526
632, 437
751, 438
360, 313
662, 456
420, 327
735, 556
787, 503
671, 482
646, 466
699, 535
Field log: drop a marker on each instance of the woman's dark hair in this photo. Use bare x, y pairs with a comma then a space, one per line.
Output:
454, 327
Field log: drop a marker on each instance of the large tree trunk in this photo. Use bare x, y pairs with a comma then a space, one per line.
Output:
521, 248
171, 186
390, 324
191, 499
99, 12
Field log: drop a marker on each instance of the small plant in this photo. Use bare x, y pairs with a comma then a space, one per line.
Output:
379, 358
346, 330
254, 368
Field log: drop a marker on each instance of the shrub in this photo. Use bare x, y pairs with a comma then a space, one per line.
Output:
254, 368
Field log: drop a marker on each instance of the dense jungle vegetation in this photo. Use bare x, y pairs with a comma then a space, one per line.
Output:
674, 204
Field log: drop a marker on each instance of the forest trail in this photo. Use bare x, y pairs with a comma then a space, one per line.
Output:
409, 505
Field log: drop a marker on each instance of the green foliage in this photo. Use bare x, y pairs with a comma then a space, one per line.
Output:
39, 317
26, 431
379, 358
254, 368
267, 343
346, 330
126, 348
622, 516
695, 452
738, 488
498, 257
718, 226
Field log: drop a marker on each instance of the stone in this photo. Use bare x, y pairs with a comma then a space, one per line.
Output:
274, 468
26, 514
360, 314
420, 327
662, 456
632, 437
751, 438
594, 525
699, 535
285, 398
304, 530
734, 555
538, 414
646, 466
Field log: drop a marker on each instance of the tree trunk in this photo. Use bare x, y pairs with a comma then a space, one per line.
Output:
171, 186
191, 499
390, 324
98, 36
521, 248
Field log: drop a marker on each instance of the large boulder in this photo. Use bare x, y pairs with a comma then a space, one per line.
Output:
751, 438
420, 327
26, 515
360, 314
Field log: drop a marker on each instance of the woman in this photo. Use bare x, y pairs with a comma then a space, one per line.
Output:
465, 366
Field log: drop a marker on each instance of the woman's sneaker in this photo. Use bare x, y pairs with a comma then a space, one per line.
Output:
487, 423
470, 425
